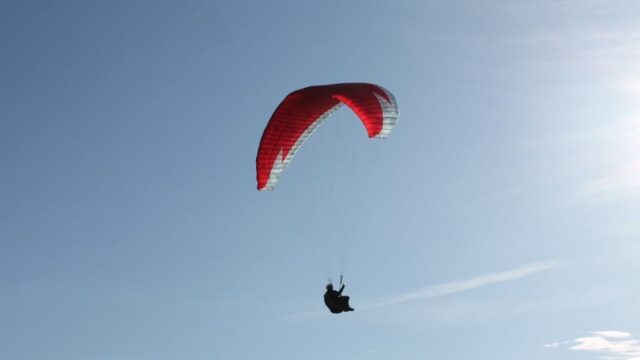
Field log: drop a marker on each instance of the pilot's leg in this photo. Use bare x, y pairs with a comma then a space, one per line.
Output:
344, 303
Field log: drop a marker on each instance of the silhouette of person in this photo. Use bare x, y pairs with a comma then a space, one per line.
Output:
335, 301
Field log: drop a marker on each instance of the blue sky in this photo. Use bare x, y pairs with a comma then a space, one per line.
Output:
497, 221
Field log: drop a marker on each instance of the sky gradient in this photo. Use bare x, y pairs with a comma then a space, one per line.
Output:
499, 219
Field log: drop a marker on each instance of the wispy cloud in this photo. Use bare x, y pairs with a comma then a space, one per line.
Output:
610, 344
619, 160
609, 51
555, 344
479, 281
597, 54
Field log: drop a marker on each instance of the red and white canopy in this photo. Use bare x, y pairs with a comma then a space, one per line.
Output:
300, 113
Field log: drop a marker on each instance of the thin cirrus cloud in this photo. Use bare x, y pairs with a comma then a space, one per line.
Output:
555, 344
464, 285
610, 53
610, 344
621, 146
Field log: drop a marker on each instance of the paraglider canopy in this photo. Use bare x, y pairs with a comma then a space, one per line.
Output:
300, 113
